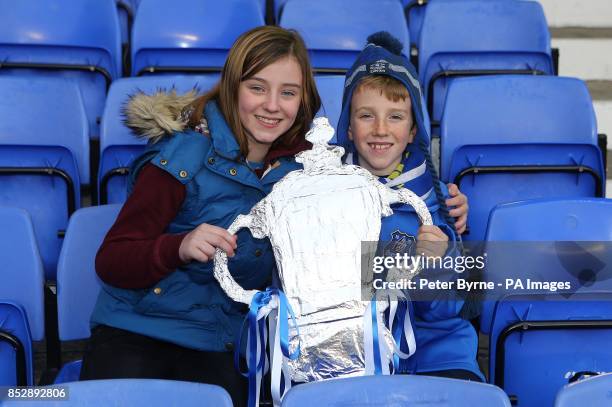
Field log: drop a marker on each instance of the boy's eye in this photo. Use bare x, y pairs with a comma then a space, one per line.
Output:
397, 117
365, 116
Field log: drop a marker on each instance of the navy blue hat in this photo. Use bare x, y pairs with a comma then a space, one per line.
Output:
382, 56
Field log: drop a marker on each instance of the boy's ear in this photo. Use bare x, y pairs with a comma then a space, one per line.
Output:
349, 131
413, 132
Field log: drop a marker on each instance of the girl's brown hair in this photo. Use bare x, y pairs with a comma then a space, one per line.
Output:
252, 52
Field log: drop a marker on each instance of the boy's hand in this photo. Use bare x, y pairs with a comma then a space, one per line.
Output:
431, 241
200, 244
459, 204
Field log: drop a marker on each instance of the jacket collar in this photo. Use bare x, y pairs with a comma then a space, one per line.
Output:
223, 140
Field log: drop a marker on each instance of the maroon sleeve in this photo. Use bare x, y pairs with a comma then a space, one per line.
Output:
136, 253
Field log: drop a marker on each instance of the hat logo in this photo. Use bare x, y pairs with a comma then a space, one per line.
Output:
379, 66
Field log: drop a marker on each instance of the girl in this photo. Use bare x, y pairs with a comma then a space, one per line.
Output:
161, 313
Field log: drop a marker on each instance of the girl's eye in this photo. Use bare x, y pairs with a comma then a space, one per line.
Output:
397, 117
289, 93
256, 88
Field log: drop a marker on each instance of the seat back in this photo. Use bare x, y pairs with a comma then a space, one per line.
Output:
502, 35
190, 35
330, 89
22, 277
77, 282
395, 390
559, 226
118, 145
334, 43
78, 39
133, 392
594, 391
44, 152
511, 128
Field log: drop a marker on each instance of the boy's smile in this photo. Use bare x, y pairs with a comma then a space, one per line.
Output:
380, 129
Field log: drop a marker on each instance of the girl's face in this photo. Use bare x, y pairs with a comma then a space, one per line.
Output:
268, 103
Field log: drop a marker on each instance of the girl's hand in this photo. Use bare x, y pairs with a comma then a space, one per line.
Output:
431, 241
460, 211
200, 244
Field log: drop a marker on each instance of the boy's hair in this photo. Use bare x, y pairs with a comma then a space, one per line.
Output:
391, 88
253, 51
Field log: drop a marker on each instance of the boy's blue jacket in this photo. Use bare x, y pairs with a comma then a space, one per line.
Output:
444, 340
188, 307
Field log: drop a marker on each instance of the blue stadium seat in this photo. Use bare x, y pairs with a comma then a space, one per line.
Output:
330, 89
538, 336
118, 145
21, 297
44, 155
77, 282
594, 391
503, 37
395, 391
76, 39
334, 43
135, 392
514, 137
189, 36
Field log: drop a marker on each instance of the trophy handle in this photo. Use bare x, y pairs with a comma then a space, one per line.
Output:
406, 196
221, 272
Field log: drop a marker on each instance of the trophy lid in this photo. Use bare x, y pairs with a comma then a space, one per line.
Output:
322, 154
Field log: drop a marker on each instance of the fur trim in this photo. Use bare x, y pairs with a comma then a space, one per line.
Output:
157, 115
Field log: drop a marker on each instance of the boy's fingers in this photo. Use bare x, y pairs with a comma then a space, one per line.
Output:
461, 224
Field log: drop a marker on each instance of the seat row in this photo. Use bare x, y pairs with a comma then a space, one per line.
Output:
593, 391
194, 36
565, 332
503, 139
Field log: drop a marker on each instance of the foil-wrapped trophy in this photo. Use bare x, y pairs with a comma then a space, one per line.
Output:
316, 220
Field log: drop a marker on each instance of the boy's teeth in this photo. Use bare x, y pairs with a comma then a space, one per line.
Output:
380, 146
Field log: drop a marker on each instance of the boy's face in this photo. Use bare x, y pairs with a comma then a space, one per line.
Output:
380, 129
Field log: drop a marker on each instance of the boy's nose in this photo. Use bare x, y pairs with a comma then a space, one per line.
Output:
381, 128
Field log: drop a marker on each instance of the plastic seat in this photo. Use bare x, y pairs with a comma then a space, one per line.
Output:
118, 145
189, 36
135, 392
21, 297
504, 37
334, 43
512, 138
395, 391
44, 155
330, 89
538, 336
78, 39
594, 391
77, 282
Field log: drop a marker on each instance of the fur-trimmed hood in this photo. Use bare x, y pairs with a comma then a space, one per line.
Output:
159, 114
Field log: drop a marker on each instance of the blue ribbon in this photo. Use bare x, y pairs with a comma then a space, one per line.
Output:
375, 344
256, 331
398, 330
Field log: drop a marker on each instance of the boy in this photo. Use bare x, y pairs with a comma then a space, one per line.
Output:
382, 127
